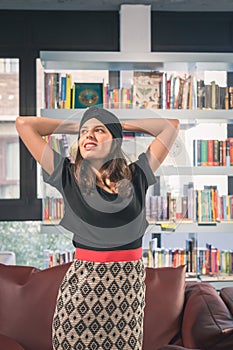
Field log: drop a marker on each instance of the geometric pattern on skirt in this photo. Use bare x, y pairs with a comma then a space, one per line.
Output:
100, 305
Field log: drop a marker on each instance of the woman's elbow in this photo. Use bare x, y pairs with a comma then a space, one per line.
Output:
19, 123
176, 124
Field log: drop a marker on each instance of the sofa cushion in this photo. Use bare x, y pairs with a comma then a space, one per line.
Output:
29, 297
207, 322
165, 289
226, 294
7, 343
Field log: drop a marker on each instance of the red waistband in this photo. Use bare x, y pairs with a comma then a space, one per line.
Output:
108, 256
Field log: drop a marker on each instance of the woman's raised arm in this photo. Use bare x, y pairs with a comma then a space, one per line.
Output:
165, 132
31, 131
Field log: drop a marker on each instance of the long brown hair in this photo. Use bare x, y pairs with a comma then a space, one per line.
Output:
115, 169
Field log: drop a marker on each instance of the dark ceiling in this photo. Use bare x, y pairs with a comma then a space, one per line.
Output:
106, 5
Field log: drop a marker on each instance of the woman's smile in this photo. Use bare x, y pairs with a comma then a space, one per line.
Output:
89, 146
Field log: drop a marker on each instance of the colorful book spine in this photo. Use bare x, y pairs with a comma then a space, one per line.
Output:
210, 152
230, 153
68, 91
204, 152
216, 160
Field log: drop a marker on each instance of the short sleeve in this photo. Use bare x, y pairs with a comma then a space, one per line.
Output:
55, 179
143, 163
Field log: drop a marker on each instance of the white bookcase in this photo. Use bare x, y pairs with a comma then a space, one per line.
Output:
190, 62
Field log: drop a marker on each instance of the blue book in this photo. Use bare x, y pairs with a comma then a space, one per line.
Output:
63, 88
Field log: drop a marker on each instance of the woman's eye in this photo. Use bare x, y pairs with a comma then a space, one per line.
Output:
99, 130
83, 131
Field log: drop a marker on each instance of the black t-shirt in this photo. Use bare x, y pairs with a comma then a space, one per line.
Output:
102, 220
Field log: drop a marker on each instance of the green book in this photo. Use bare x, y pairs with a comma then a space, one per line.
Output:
204, 152
88, 94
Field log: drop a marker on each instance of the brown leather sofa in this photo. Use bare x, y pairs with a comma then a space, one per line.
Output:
178, 315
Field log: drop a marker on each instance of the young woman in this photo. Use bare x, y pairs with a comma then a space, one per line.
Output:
100, 304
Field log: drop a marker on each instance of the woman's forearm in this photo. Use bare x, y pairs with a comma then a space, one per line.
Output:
150, 126
164, 129
48, 126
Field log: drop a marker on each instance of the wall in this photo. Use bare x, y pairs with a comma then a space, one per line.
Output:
25, 33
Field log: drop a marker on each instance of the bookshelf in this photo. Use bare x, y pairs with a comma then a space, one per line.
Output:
156, 61
71, 60
190, 117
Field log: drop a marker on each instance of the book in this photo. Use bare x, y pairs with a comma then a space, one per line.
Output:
229, 151
68, 91
210, 152
204, 152
148, 89
63, 92
224, 147
216, 155
88, 94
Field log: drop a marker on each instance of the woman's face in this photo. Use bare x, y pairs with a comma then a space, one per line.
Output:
95, 140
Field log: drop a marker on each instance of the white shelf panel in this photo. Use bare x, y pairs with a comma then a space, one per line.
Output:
181, 227
74, 60
56, 228
185, 116
193, 227
192, 171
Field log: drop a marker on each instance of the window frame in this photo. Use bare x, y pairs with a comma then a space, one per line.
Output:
30, 32
27, 206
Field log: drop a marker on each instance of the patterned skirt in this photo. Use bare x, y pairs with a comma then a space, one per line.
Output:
100, 305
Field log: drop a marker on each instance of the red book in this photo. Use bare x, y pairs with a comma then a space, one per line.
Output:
168, 94
231, 149
224, 153
210, 160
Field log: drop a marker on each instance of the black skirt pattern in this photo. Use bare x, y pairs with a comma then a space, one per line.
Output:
100, 306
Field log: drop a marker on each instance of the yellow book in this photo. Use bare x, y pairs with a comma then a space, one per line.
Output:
73, 95
68, 91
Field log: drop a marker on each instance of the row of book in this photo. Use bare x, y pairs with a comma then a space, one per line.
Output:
61, 92
57, 257
213, 152
201, 206
206, 152
53, 208
61, 145
152, 90
206, 260
209, 260
133, 144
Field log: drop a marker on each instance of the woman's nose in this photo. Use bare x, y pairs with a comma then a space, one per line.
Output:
90, 134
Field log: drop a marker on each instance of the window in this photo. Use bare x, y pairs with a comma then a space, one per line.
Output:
9, 143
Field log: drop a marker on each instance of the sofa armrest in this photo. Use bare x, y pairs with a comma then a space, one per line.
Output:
7, 343
226, 294
207, 322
